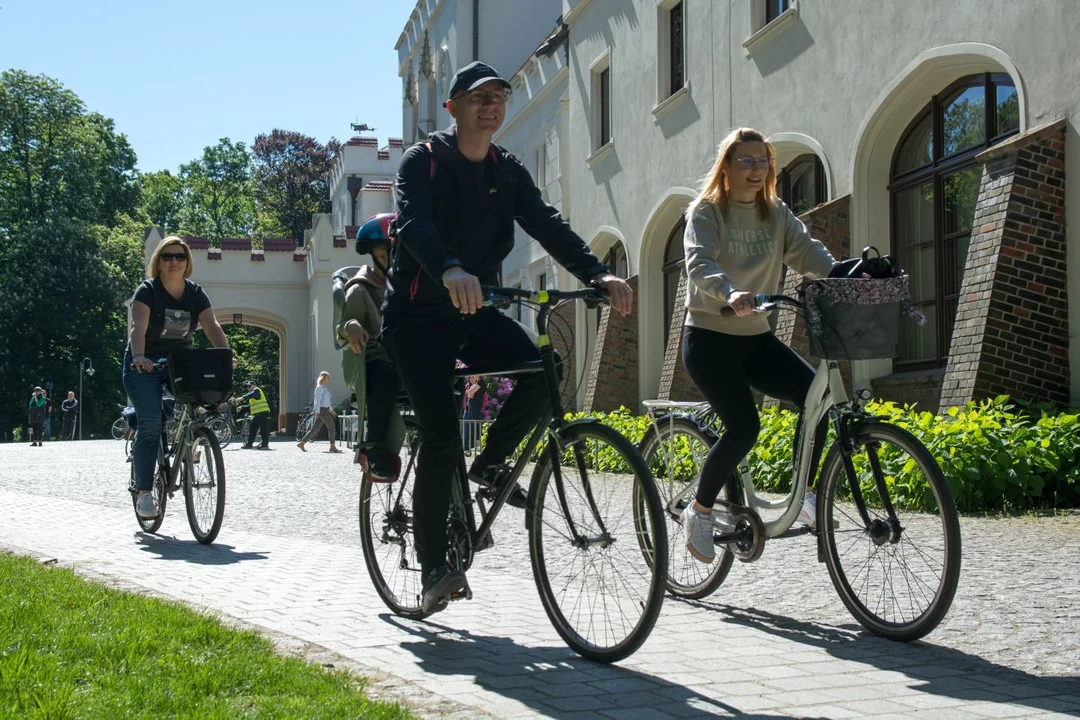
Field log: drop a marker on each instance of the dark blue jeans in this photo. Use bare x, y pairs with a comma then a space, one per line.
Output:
144, 392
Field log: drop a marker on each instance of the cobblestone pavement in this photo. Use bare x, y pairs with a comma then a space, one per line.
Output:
774, 641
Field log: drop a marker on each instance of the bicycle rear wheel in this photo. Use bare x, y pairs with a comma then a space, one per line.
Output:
302, 426
386, 534
674, 458
600, 591
204, 485
897, 579
119, 428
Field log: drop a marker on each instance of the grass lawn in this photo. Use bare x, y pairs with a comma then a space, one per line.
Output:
75, 649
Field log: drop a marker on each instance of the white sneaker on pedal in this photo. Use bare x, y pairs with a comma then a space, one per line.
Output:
808, 514
145, 506
698, 528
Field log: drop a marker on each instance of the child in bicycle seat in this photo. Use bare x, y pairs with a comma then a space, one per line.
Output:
361, 323
739, 235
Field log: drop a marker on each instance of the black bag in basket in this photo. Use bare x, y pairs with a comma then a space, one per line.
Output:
203, 377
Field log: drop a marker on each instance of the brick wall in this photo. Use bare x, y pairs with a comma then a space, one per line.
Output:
561, 330
675, 382
613, 373
1011, 331
829, 224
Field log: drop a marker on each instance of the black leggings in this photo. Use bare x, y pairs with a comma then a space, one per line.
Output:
725, 368
382, 387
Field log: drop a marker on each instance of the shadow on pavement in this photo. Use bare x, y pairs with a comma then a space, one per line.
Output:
170, 548
553, 681
934, 669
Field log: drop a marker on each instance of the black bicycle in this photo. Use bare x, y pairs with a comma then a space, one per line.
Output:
192, 460
597, 535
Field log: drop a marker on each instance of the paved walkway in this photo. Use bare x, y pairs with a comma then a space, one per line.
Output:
774, 641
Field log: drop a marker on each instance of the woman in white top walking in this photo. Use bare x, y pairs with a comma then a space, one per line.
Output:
322, 407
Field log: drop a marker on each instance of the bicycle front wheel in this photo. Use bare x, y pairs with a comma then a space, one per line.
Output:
204, 486
675, 457
119, 429
897, 578
600, 591
302, 426
386, 534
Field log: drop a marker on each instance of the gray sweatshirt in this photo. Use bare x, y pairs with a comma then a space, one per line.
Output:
742, 252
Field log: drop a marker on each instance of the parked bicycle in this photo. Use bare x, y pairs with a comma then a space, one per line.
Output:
224, 422
896, 577
592, 507
193, 460
304, 423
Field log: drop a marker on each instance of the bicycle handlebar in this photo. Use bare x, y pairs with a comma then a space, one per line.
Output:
501, 297
764, 303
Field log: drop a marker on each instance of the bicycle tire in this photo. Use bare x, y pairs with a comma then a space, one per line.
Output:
245, 429
150, 525
687, 577
886, 552
642, 595
204, 470
302, 427
386, 534
119, 429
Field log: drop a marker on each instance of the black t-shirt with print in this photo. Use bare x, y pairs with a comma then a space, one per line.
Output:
172, 321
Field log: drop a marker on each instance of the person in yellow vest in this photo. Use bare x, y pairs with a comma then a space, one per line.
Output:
260, 416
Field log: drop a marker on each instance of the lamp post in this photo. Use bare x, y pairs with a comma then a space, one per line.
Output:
84, 367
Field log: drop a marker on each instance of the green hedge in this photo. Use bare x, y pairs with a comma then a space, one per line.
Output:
995, 455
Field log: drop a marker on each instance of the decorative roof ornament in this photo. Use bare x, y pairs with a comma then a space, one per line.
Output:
410, 87
427, 66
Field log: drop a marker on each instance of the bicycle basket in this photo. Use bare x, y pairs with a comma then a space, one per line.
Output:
854, 319
201, 377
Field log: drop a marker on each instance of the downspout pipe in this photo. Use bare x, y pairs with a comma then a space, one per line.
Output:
476, 30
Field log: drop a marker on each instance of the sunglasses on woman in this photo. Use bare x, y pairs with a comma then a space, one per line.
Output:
747, 162
178, 257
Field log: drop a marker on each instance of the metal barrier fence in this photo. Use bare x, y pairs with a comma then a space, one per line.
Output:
351, 430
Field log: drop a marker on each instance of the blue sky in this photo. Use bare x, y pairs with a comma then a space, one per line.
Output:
177, 76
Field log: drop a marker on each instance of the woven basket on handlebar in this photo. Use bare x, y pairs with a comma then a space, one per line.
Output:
855, 318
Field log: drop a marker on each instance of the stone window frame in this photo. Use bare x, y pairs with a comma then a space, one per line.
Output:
766, 25
601, 107
935, 172
672, 68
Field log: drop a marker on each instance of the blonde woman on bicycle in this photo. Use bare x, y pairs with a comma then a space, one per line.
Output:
739, 235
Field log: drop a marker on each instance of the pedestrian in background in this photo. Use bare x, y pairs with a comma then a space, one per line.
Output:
323, 408
70, 409
35, 416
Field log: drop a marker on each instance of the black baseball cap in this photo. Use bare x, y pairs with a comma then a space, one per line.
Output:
473, 76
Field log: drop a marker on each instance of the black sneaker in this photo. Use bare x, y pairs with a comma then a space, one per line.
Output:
382, 466
492, 478
438, 585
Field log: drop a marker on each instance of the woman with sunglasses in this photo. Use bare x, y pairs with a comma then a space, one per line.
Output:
739, 236
166, 309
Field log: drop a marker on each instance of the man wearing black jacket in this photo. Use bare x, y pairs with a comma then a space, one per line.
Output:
458, 196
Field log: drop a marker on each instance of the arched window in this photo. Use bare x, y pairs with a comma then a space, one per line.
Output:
673, 268
934, 188
615, 259
801, 184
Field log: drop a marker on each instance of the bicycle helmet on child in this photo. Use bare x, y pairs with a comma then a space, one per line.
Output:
376, 230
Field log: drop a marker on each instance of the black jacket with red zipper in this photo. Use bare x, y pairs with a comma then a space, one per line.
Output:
433, 234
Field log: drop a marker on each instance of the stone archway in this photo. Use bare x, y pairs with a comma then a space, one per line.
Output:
257, 318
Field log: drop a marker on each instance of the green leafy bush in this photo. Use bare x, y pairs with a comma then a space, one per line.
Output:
994, 454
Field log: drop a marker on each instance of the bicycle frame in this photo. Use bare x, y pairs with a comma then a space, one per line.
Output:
183, 440
826, 397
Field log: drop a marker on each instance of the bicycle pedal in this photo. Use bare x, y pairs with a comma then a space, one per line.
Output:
464, 593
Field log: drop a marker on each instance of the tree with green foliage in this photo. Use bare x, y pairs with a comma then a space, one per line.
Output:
161, 198
291, 171
69, 251
218, 197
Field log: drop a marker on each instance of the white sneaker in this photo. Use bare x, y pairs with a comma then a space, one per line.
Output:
698, 528
808, 514
145, 506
